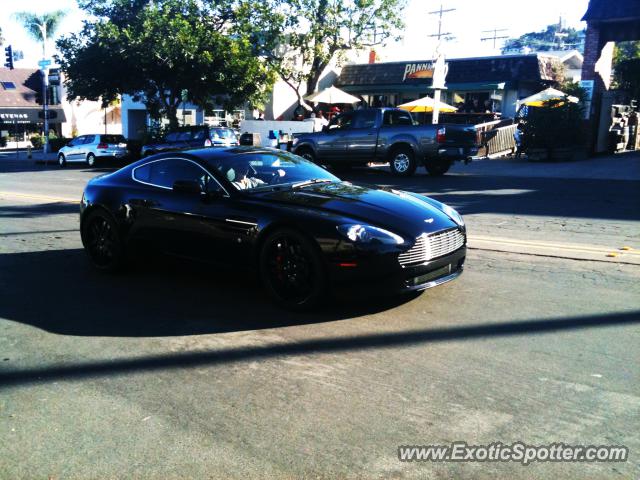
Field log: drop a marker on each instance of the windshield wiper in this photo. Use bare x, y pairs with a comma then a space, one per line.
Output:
313, 181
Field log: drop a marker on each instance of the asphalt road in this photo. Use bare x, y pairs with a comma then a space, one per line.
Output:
182, 372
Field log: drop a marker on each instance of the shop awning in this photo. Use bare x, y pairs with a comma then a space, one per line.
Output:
398, 88
476, 86
31, 115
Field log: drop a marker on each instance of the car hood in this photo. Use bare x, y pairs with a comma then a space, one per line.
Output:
398, 211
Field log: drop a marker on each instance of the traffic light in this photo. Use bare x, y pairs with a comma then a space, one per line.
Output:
8, 53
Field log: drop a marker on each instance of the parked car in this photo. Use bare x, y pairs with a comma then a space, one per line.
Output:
388, 135
299, 226
92, 148
193, 137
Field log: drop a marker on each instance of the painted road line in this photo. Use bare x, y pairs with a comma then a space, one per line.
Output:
36, 196
554, 249
561, 246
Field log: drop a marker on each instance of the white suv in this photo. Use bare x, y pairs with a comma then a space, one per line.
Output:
91, 148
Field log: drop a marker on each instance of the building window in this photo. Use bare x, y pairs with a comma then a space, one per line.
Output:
8, 85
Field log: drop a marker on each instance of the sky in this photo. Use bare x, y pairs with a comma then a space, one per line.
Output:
466, 23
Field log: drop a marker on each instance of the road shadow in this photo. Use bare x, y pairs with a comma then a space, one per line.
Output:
38, 210
473, 194
313, 346
60, 292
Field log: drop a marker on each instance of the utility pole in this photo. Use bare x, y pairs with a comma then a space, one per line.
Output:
495, 35
440, 67
440, 13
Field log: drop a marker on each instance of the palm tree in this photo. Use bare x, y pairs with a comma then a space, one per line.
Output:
42, 27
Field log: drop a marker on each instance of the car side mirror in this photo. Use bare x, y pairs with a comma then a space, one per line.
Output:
187, 186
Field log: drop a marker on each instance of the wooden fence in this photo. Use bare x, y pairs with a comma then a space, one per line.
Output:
496, 137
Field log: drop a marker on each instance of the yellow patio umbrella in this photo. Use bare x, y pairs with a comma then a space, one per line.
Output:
540, 98
425, 105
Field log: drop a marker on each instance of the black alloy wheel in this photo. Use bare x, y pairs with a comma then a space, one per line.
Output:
102, 241
291, 270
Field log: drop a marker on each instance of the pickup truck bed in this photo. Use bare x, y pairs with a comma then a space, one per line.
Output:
388, 135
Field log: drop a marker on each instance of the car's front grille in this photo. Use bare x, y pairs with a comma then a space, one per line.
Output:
428, 247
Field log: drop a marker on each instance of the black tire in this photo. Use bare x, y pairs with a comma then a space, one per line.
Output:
102, 241
437, 168
91, 160
403, 162
291, 270
62, 162
307, 154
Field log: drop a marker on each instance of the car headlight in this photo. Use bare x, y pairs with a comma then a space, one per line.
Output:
453, 214
369, 234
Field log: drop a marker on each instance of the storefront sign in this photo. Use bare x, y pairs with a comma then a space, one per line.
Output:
13, 116
418, 70
31, 115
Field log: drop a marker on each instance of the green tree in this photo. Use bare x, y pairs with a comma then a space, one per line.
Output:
623, 51
300, 38
41, 27
553, 37
626, 67
156, 51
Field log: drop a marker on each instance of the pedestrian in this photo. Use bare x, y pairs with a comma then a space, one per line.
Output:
322, 121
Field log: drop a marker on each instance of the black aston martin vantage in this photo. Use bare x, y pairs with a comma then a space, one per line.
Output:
303, 229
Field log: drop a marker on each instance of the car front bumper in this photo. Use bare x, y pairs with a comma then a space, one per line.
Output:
383, 273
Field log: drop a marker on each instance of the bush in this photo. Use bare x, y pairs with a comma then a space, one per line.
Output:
56, 143
37, 141
557, 124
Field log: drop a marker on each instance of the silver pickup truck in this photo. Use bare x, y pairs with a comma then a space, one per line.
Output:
387, 135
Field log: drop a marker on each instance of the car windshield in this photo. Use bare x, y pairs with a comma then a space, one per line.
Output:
256, 171
222, 133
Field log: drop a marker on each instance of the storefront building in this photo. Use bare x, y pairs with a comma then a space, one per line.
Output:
21, 112
474, 85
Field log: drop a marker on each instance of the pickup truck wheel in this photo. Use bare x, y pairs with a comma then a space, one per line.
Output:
403, 162
437, 168
307, 154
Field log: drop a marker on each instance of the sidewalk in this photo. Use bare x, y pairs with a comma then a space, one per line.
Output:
37, 156
622, 166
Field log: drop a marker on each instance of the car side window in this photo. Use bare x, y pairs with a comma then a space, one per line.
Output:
395, 117
88, 139
365, 119
184, 136
164, 173
171, 137
404, 118
341, 122
77, 141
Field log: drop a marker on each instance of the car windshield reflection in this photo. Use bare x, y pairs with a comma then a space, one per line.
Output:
261, 171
